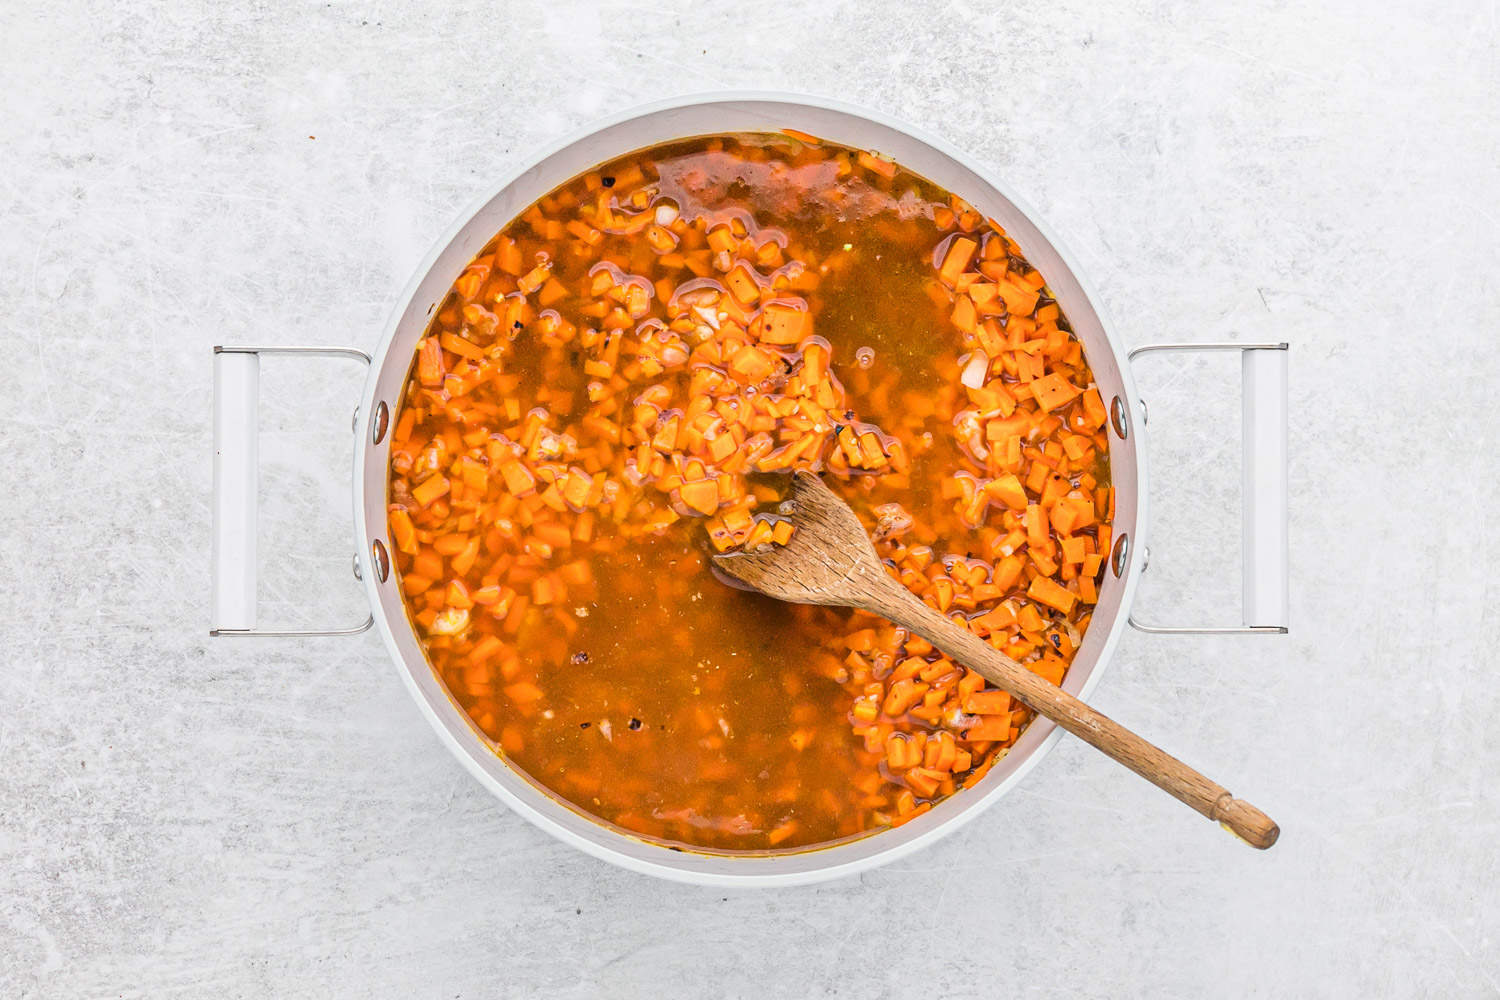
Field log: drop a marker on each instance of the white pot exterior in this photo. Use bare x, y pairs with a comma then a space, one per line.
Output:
648, 126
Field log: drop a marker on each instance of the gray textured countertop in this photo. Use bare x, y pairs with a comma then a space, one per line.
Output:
181, 817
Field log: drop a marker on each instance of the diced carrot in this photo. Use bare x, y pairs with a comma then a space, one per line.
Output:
989, 727
1088, 590
1019, 300
464, 348
403, 532
875, 163
1050, 668
903, 695
1036, 527
947, 752
508, 257
533, 279
523, 692
960, 253
1052, 391
463, 560
964, 315
428, 563
782, 324
1008, 571
701, 496
1083, 511
1077, 446
485, 648
987, 703
552, 292
576, 573
751, 363
760, 534
429, 490
518, 479
742, 285
545, 590
1062, 518
487, 596
942, 592
899, 752
719, 448
430, 362
457, 595
1008, 490
909, 667
1054, 595
1093, 408
923, 781
1028, 618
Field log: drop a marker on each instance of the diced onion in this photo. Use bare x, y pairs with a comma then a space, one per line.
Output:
709, 316
976, 370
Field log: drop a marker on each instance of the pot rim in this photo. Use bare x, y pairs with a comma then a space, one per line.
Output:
608, 843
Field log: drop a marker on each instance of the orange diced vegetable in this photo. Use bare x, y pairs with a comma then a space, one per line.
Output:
742, 285
960, 252
430, 362
1008, 490
701, 496
429, 490
1054, 595
1052, 391
782, 324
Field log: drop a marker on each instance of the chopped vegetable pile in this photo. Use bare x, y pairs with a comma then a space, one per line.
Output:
615, 388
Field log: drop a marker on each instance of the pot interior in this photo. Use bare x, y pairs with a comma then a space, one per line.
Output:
927, 157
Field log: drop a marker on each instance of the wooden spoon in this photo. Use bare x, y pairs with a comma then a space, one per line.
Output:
830, 560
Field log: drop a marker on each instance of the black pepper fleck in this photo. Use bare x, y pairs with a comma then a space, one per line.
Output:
635, 725
608, 182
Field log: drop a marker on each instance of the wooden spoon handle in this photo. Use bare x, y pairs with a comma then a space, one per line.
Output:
1166, 772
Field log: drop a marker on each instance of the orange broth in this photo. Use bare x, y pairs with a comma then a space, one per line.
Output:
614, 390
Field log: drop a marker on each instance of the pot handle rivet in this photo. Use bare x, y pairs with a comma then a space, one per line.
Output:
381, 559
1118, 419
381, 422
1119, 557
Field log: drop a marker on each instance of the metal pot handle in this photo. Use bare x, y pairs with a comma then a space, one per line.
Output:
1264, 546
236, 483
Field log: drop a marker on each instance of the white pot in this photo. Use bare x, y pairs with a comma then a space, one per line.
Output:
235, 386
